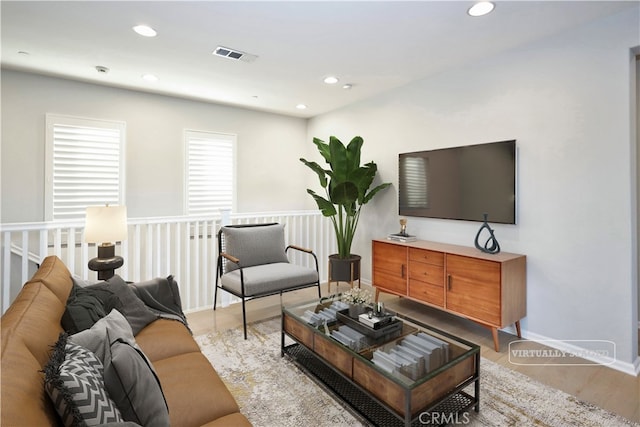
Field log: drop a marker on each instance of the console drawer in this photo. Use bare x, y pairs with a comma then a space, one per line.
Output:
426, 256
433, 274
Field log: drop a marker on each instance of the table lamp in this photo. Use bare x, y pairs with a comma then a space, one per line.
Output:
104, 226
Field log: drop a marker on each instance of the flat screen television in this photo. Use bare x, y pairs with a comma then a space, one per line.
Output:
462, 183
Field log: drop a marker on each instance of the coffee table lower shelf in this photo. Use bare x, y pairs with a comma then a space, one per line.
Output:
369, 409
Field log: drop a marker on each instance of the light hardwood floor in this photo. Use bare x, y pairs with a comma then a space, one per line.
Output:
599, 385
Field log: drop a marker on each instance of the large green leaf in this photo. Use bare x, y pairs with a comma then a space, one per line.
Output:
326, 207
339, 163
353, 153
344, 193
318, 170
373, 192
323, 148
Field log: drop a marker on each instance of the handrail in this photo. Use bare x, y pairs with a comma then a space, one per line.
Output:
156, 246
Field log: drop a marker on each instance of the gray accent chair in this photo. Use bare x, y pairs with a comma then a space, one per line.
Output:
253, 263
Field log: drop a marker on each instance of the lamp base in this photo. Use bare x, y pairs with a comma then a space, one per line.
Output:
106, 262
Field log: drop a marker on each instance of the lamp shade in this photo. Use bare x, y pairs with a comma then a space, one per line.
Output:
105, 224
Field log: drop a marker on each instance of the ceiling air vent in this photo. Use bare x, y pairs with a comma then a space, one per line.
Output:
234, 54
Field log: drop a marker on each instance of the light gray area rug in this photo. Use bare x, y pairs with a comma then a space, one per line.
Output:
272, 392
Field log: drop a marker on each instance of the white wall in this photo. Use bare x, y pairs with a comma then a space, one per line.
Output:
269, 146
566, 101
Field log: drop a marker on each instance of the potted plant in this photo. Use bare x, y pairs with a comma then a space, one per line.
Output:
357, 299
347, 188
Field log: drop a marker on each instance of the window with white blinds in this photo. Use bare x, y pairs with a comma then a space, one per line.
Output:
210, 172
84, 167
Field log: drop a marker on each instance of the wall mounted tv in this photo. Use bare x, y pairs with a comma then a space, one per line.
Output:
460, 183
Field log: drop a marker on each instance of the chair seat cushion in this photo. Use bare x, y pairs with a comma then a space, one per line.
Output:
269, 278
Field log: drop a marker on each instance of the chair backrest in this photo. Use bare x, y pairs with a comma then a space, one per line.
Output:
253, 244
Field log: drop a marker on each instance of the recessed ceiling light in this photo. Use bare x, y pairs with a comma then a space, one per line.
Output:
23, 52
150, 77
144, 30
347, 86
102, 69
301, 107
331, 80
481, 8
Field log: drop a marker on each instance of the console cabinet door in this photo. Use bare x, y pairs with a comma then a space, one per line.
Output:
390, 267
473, 288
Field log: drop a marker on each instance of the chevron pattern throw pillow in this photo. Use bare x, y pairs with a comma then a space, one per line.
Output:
74, 382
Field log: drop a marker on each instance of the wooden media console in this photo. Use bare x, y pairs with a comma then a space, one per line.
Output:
489, 289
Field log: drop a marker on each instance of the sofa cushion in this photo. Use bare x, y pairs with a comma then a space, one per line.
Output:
264, 279
255, 245
195, 395
153, 340
73, 380
128, 375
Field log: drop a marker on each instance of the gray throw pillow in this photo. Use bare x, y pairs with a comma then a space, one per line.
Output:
95, 338
129, 376
116, 294
73, 379
255, 245
83, 309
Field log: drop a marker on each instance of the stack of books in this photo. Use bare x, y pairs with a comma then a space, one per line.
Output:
399, 237
413, 357
350, 337
326, 315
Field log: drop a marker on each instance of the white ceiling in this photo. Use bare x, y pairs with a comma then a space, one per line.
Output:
375, 46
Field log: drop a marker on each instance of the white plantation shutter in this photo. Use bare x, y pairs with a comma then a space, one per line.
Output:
85, 165
210, 165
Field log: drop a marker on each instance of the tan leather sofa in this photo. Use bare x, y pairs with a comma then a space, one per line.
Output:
195, 394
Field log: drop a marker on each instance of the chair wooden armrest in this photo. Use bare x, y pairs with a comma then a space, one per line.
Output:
300, 248
230, 257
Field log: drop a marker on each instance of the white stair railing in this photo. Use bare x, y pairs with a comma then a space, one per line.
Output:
185, 247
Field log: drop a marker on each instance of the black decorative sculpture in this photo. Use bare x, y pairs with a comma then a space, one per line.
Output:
491, 246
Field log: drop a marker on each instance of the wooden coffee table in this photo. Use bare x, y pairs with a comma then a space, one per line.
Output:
407, 374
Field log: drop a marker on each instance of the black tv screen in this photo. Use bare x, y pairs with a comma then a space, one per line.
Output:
461, 183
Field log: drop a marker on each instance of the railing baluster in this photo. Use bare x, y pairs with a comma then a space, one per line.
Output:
25, 256
167, 249
43, 250
178, 254
6, 271
187, 260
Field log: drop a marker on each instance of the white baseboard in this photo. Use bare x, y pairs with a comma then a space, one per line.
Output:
630, 368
